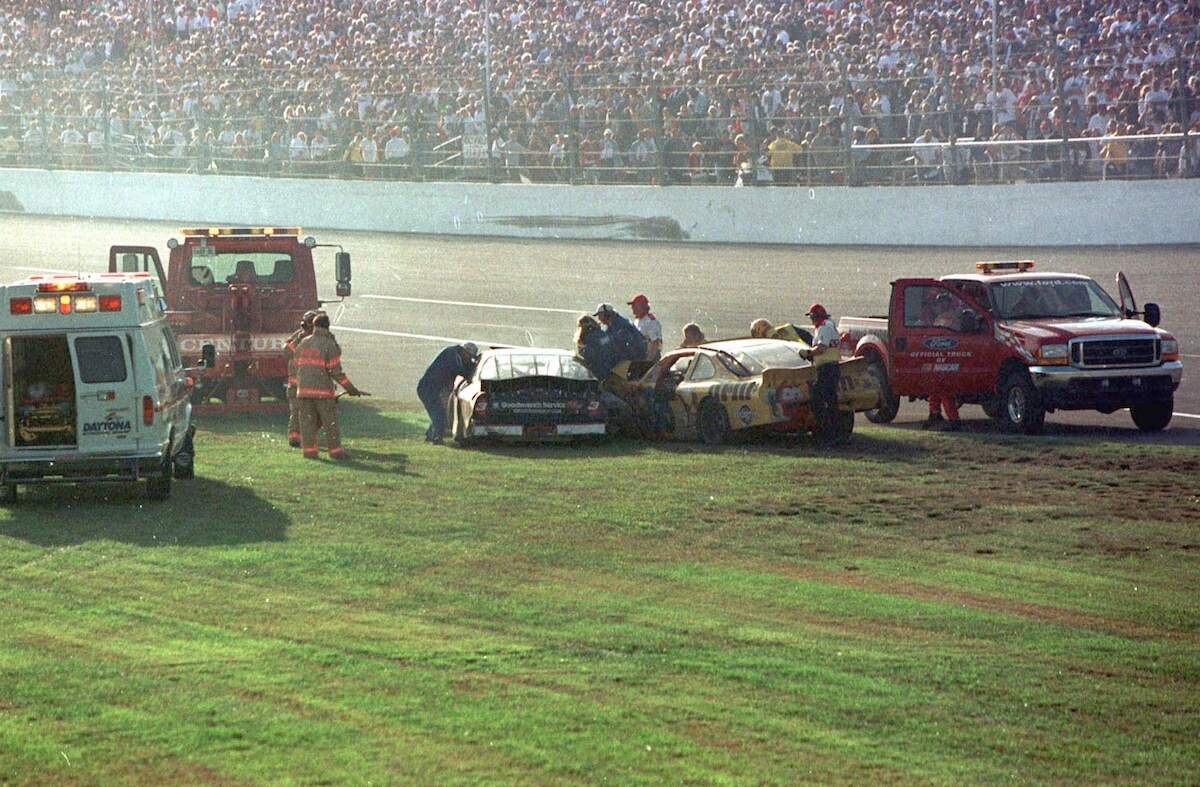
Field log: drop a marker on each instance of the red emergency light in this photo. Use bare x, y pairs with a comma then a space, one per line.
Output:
20, 306
63, 285
110, 303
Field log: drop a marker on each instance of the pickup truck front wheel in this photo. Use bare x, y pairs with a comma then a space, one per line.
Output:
1021, 408
889, 405
1153, 417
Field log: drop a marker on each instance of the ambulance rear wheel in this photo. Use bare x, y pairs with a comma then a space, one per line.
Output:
159, 488
8, 494
713, 422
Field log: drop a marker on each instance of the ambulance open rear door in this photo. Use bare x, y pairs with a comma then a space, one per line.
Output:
109, 408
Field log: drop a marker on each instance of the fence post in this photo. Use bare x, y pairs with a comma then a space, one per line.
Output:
1065, 169
659, 135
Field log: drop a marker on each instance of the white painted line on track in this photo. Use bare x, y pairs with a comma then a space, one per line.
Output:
1185, 355
1185, 415
476, 305
423, 337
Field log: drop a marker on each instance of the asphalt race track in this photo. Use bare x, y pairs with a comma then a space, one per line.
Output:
413, 294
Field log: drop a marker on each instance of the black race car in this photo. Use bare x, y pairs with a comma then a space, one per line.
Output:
527, 393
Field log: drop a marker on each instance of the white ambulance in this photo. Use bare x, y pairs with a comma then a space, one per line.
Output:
93, 386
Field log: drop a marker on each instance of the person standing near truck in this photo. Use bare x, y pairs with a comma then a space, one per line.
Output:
826, 356
944, 316
433, 389
318, 374
293, 342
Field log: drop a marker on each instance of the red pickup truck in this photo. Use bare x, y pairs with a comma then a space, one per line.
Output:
1021, 344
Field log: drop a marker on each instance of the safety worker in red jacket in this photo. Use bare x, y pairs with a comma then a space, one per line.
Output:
293, 341
318, 374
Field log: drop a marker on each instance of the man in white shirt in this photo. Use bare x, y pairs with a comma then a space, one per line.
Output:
648, 325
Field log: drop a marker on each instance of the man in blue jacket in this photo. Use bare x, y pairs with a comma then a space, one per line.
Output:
628, 342
457, 360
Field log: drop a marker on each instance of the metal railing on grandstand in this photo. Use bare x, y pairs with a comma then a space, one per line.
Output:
577, 137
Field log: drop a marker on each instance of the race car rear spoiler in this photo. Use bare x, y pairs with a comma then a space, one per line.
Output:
800, 378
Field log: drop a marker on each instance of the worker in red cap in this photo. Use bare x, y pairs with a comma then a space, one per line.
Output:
825, 357
645, 321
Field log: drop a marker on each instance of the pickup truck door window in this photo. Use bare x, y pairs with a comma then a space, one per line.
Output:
949, 346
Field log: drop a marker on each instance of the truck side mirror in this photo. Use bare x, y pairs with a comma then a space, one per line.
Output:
1152, 314
208, 356
341, 264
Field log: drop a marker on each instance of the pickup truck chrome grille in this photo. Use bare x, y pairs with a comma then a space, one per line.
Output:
1115, 352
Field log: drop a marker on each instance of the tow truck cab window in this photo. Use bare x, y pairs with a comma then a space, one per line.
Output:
209, 267
101, 359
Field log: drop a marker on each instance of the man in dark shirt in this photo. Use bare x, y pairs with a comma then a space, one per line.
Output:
457, 360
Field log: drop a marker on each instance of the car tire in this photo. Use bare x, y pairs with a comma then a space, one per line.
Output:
1021, 408
992, 407
836, 433
713, 423
458, 430
8, 494
889, 404
1153, 417
159, 487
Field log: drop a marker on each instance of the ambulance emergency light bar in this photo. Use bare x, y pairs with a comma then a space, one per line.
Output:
1005, 266
65, 295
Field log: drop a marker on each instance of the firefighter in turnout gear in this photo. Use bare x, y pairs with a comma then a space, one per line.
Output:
293, 341
318, 374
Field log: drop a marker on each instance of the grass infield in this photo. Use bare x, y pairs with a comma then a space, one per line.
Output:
913, 608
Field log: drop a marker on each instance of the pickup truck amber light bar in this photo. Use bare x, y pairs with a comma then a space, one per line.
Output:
1020, 266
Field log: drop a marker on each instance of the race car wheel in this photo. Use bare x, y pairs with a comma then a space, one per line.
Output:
458, 430
8, 494
1153, 417
713, 423
1021, 407
889, 405
837, 431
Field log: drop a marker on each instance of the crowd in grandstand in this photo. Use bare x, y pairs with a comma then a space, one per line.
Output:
658, 91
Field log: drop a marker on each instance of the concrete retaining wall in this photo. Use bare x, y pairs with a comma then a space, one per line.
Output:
1048, 214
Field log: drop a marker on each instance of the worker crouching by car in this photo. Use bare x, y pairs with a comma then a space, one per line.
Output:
433, 389
293, 342
318, 374
825, 357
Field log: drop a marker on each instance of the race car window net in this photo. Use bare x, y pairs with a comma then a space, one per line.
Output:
704, 369
212, 267
509, 366
1025, 299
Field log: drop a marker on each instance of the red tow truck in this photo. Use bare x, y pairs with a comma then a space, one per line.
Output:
242, 290
1021, 344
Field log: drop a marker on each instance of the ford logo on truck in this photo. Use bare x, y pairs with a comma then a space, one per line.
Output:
941, 343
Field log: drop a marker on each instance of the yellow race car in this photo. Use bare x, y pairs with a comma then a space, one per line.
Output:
711, 391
